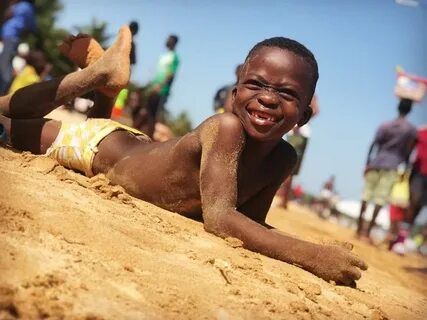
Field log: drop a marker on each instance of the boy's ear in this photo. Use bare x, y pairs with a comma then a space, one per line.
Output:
308, 112
233, 92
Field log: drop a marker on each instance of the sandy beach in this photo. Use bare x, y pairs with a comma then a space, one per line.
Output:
78, 248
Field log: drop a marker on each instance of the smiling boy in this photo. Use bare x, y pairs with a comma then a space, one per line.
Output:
226, 171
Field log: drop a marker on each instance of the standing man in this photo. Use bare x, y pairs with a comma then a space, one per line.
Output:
157, 92
394, 141
18, 20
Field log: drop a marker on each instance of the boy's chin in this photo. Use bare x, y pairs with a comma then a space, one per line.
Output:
265, 136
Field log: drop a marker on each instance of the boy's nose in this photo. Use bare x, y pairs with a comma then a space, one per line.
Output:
268, 100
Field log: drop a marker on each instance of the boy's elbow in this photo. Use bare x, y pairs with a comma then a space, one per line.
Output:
212, 227
214, 224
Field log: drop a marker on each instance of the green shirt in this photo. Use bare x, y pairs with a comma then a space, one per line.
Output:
168, 64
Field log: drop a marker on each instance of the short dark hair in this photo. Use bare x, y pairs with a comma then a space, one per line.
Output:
292, 46
405, 106
174, 37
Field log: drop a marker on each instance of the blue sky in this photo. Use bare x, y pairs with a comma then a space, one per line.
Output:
357, 44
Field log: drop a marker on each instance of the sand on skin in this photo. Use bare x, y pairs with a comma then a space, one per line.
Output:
78, 248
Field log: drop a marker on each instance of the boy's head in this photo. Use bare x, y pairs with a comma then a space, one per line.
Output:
405, 106
275, 87
172, 41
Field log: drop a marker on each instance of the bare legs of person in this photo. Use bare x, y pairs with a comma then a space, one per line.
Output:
286, 191
145, 118
25, 109
360, 224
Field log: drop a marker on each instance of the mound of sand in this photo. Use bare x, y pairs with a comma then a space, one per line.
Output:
78, 248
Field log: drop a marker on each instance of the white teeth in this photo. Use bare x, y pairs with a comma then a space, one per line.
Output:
263, 117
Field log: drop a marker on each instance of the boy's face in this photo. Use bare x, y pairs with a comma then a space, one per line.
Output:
273, 93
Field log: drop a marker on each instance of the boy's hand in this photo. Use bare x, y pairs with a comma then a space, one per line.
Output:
338, 264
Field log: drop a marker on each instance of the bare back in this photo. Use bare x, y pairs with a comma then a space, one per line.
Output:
167, 174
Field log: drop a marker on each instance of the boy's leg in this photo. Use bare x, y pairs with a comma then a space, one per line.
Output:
34, 135
84, 51
111, 71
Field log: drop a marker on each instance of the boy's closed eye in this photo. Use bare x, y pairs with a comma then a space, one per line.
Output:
288, 94
253, 84
285, 93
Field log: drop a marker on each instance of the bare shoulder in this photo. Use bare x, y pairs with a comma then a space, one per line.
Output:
224, 121
226, 127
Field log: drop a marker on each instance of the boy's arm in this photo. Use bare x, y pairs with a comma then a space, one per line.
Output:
222, 142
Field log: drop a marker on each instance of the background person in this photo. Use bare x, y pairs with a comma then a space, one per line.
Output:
19, 19
418, 179
222, 99
393, 143
158, 90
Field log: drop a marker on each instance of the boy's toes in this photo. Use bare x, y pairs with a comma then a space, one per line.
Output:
66, 44
82, 35
64, 48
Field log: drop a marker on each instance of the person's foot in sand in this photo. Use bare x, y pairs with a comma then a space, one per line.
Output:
83, 50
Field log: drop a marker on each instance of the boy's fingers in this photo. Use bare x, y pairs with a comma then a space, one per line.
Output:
347, 281
353, 273
359, 263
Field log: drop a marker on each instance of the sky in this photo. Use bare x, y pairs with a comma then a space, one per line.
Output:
357, 44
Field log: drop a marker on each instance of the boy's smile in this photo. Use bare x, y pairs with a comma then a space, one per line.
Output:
273, 92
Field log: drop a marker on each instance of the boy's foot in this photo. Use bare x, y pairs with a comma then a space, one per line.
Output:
115, 63
83, 50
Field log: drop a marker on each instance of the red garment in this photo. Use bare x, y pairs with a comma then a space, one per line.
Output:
298, 191
421, 157
397, 213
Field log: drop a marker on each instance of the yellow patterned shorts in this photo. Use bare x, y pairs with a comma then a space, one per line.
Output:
76, 143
